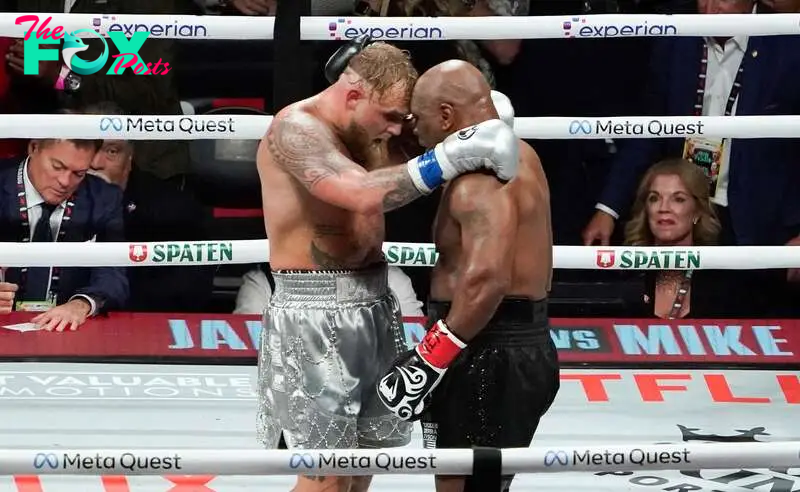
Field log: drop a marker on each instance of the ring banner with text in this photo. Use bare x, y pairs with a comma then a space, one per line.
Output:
209, 336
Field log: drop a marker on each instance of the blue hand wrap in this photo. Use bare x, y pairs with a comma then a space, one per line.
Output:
430, 170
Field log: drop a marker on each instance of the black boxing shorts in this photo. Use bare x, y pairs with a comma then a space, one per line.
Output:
499, 386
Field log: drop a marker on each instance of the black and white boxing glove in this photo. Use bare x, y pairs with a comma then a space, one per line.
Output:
407, 386
488, 145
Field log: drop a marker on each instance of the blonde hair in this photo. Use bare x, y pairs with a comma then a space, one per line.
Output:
704, 232
383, 66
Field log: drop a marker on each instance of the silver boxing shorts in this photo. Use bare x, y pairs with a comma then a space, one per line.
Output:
328, 337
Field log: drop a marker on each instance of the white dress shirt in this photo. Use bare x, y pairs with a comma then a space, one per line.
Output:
254, 294
34, 202
723, 64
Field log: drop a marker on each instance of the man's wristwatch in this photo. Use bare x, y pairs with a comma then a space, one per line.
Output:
68, 81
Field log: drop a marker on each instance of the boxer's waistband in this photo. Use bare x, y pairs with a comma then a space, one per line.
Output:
326, 286
516, 319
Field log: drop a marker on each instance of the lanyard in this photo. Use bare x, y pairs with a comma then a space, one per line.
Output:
736, 88
26, 232
680, 297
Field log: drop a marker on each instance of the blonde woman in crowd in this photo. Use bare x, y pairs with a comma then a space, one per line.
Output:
673, 208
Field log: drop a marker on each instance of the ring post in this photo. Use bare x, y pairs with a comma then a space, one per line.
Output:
487, 468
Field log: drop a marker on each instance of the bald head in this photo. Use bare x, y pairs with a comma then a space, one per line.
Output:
448, 97
454, 82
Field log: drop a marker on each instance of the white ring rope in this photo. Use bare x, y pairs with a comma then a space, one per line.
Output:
253, 127
404, 461
171, 253
423, 28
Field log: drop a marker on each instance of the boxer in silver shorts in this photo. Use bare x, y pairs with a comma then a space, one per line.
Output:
328, 334
332, 326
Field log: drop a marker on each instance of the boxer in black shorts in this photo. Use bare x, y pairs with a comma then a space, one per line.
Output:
487, 369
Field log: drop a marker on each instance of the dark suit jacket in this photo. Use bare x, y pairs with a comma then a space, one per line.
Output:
97, 212
764, 173
155, 211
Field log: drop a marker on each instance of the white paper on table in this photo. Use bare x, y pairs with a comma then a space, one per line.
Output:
23, 327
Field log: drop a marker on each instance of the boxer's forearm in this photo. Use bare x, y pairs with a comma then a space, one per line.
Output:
477, 294
395, 185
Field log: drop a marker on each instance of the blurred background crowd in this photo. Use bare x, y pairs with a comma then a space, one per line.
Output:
604, 192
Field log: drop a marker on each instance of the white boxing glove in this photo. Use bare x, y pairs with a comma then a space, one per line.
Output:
488, 145
504, 108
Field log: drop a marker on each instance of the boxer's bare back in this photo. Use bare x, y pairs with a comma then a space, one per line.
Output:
509, 222
305, 231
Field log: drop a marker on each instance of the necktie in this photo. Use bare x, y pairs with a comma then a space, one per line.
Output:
38, 278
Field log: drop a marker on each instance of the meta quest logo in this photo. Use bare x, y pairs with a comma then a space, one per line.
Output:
73, 44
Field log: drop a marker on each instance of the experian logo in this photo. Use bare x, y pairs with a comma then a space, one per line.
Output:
576, 27
175, 30
343, 29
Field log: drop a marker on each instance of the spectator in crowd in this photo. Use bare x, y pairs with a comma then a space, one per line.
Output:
673, 208
484, 53
256, 290
268, 7
49, 197
246, 7
154, 211
780, 6
137, 94
753, 180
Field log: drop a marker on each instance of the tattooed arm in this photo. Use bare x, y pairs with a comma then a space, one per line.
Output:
304, 147
487, 217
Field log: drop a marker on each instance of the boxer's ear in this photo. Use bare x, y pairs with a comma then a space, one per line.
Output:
446, 117
352, 97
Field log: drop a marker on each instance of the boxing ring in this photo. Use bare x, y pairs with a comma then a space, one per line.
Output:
575, 447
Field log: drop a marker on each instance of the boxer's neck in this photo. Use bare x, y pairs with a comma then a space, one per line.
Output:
327, 104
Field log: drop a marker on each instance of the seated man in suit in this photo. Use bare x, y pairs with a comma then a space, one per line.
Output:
154, 211
48, 197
